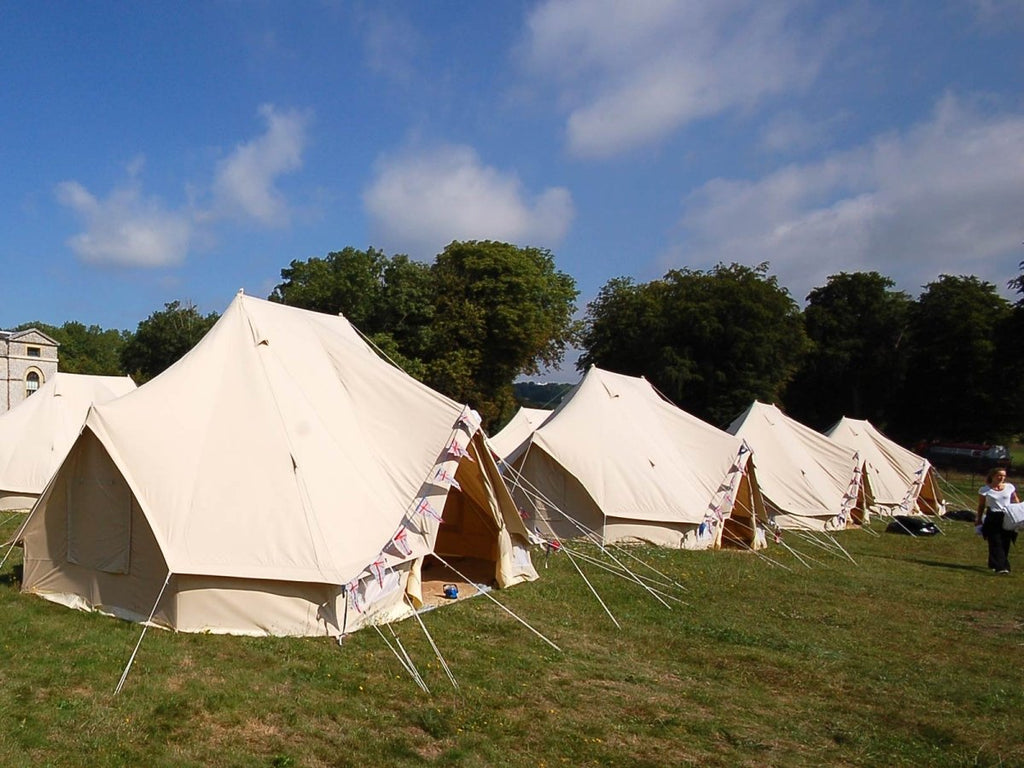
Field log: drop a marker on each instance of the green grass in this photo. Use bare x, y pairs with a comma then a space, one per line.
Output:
909, 657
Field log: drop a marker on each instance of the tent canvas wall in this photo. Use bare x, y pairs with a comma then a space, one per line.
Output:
279, 479
37, 434
901, 481
519, 428
628, 465
808, 481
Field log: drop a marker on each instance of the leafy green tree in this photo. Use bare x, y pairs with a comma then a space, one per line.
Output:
89, 350
710, 341
388, 299
468, 324
1017, 284
163, 338
500, 311
857, 325
955, 385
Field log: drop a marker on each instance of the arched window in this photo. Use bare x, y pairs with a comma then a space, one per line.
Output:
31, 383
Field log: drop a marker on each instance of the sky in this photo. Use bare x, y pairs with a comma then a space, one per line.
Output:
161, 151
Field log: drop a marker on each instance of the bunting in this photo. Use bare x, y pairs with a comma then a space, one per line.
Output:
400, 542
457, 451
426, 509
444, 477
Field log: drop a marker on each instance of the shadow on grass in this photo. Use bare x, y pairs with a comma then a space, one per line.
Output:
934, 563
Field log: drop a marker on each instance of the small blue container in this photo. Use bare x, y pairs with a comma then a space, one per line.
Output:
451, 591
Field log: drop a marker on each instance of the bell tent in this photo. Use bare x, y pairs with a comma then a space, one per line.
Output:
809, 481
901, 481
618, 462
282, 479
517, 430
37, 434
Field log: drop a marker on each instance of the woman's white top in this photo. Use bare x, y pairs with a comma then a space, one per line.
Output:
997, 500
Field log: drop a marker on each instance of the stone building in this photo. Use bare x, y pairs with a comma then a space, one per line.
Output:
27, 361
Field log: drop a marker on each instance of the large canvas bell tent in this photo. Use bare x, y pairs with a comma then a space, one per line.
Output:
901, 481
809, 481
519, 428
279, 479
617, 461
37, 435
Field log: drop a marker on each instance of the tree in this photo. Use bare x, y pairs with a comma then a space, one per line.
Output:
89, 350
500, 310
1017, 284
955, 386
467, 325
163, 338
857, 325
710, 341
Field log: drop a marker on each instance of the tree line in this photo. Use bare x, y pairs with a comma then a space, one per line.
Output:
941, 366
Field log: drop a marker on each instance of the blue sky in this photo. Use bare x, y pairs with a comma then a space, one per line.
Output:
159, 151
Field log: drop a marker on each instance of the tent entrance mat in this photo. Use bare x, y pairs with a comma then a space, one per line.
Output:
435, 575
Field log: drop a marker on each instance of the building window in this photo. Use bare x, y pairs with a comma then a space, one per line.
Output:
33, 351
31, 383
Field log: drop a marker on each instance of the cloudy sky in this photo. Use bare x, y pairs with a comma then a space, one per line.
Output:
162, 150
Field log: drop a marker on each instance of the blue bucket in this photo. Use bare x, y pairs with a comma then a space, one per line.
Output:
451, 591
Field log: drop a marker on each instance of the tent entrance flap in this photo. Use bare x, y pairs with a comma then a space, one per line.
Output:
100, 540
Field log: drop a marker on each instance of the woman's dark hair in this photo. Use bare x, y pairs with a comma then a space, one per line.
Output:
992, 473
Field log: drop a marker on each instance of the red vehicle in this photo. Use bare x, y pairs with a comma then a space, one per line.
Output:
977, 456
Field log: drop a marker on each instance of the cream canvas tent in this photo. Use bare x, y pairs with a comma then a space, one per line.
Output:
517, 430
901, 481
624, 463
37, 435
279, 479
808, 481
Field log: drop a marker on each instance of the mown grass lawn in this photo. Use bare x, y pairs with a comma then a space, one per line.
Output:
909, 656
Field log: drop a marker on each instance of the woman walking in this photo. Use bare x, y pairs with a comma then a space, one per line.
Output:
992, 500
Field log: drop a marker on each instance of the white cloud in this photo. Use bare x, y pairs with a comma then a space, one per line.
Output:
633, 73
421, 202
245, 180
126, 229
945, 196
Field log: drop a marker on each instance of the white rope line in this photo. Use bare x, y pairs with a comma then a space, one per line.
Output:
620, 574
591, 586
407, 666
152, 613
486, 593
433, 645
589, 533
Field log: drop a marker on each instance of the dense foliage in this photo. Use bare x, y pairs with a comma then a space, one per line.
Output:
941, 367
858, 329
89, 350
163, 338
710, 341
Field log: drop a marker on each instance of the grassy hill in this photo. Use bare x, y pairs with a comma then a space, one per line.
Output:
909, 656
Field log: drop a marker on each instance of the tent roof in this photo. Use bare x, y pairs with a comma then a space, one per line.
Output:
637, 455
280, 447
800, 471
36, 435
896, 474
519, 428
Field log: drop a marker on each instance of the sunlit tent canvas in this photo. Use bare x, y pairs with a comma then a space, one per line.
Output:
37, 434
282, 479
624, 463
808, 481
520, 427
901, 481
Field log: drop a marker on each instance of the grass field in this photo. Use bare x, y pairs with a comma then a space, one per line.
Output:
909, 656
